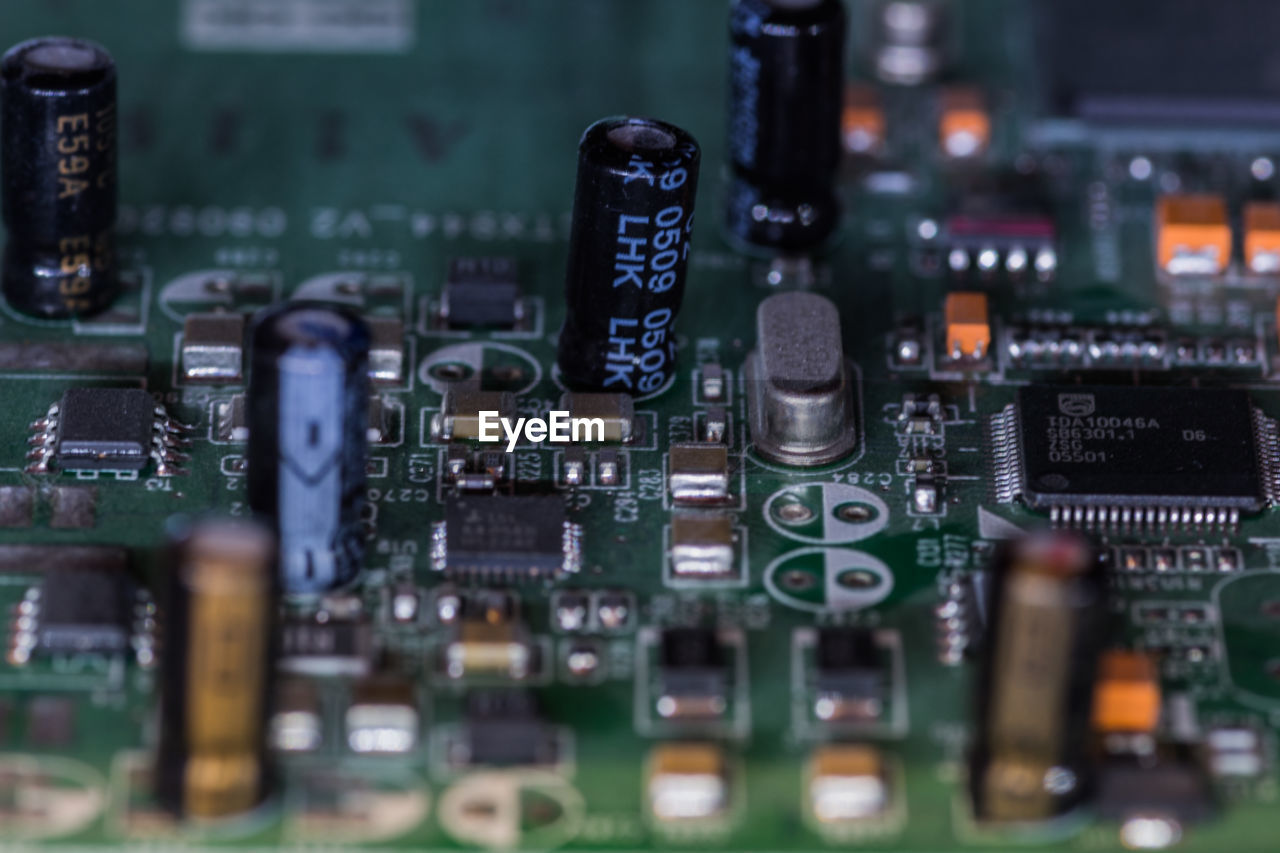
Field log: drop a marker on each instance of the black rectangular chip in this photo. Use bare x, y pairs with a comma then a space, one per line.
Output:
1138, 447
336, 647
516, 534
105, 429
84, 609
504, 728
482, 292
1162, 62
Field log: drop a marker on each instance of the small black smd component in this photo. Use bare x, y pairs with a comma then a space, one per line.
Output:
692, 674
337, 647
482, 292
509, 535
504, 728
1169, 783
848, 669
1134, 456
83, 609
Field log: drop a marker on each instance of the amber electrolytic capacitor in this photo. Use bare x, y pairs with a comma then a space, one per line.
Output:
218, 660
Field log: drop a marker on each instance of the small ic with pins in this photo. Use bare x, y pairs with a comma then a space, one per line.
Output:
106, 429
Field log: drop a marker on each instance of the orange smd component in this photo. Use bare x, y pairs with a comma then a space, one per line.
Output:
1193, 234
862, 120
1127, 695
968, 330
964, 126
1262, 237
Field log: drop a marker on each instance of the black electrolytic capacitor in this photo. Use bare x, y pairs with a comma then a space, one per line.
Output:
628, 251
786, 88
308, 445
58, 171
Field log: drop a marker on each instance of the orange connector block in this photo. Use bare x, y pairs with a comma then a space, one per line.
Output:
1126, 697
968, 329
964, 125
1193, 234
1262, 237
862, 120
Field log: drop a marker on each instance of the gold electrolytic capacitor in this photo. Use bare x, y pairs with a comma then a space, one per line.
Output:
1047, 609
219, 638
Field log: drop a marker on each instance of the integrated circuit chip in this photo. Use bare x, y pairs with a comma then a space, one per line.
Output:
1106, 456
83, 609
1163, 62
105, 429
509, 535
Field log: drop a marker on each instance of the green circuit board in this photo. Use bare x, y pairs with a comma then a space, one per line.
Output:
350, 152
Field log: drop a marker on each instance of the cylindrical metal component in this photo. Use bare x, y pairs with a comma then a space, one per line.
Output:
308, 412
218, 660
58, 177
800, 391
628, 250
786, 90
910, 40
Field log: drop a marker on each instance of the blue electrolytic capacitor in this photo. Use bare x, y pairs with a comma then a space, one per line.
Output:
308, 419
